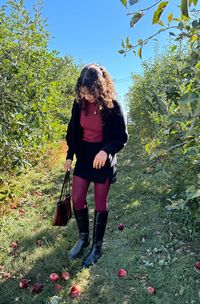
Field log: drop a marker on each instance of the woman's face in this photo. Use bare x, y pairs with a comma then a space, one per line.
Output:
87, 95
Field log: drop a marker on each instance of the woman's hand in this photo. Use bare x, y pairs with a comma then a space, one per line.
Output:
100, 160
68, 165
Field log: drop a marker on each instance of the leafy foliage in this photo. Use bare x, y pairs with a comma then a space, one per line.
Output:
36, 86
164, 106
187, 10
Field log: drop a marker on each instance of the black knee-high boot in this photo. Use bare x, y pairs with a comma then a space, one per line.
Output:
82, 220
100, 221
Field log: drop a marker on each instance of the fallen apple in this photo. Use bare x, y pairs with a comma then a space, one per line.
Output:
122, 273
121, 226
65, 275
197, 265
24, 283
54, 277
75, 291
58, 287
38, 193
151, 290
14, 245
37, 288
6, 275
22, 211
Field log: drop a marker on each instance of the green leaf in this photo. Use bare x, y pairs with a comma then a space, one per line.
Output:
170, 17
160, 22
194, 38
124, 2
140, 53
159, 11
127, 40
194, 2
172, 34
173, 48
128, 44
192, 193
121, 51
195, 24
184, 8
189, 97
136, 17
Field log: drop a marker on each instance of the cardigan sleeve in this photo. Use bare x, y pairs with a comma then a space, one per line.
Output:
120, 134
69, 137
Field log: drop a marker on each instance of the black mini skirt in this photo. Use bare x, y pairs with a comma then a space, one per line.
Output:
84, 165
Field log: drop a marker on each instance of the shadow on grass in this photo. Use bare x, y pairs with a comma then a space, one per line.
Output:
36, 263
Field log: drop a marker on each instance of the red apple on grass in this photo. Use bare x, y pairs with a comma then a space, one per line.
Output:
14, 245
58, 287
22, 211
122, 273
6, 275
54, 277
75, 291
197, 265
37, 288
24, 283
121, 226
151, 290
65, 275
38, 193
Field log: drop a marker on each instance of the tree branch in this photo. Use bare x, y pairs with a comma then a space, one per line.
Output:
152, 36
143, 10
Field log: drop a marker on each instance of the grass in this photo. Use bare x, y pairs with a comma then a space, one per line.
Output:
154, 249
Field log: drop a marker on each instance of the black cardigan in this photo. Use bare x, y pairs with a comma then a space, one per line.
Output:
115, 133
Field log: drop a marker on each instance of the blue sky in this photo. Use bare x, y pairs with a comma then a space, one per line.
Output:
91, 31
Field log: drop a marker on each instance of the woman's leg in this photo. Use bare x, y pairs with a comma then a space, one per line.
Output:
100, 221
79, 193
101, 195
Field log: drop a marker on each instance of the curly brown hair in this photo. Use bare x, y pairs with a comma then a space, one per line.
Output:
98, 83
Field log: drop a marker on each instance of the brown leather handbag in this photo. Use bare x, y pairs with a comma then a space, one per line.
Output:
63, 211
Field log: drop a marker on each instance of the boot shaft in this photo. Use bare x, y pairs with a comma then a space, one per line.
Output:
100, 222
82, 219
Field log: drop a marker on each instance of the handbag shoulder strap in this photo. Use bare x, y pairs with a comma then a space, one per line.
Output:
66, 184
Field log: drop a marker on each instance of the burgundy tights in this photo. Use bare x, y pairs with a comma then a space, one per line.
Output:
79, 192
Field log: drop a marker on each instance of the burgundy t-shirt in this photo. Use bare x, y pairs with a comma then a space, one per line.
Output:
92, 124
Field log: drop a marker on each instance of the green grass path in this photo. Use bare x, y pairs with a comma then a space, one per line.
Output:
152, 248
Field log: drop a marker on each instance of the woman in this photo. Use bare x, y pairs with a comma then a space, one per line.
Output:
96, 132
